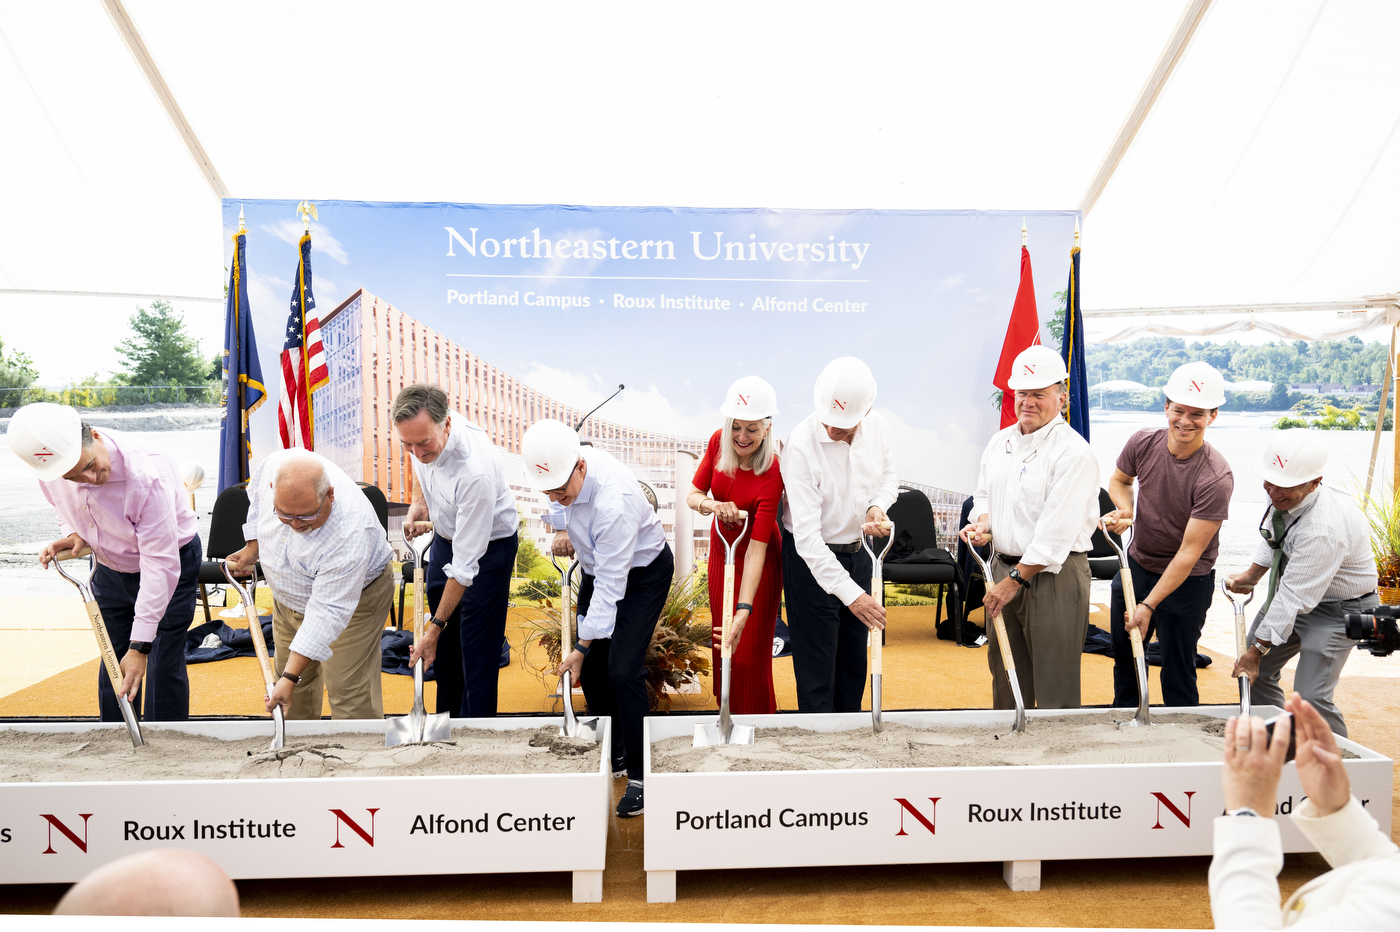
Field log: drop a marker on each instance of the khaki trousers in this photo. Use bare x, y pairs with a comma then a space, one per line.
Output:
352, 674
1045, 626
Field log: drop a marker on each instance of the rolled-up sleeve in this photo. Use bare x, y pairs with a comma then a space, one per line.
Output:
476, 507
151, 510
805, 505
557, 517
888, 492
982, 498
1073, 484
335, 593
613, 545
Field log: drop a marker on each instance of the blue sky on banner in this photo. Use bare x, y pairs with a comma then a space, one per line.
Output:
601, 296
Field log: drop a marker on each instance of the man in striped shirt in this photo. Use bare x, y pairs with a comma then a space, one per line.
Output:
326, 557
1318, 544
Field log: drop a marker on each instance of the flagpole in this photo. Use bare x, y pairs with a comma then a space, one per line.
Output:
307, 210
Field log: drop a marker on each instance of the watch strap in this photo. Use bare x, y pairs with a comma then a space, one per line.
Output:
291, 676
1021, 580
141, 647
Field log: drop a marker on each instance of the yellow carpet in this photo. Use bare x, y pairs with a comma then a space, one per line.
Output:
920, 672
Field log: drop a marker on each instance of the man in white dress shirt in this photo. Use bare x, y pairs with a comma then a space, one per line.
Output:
461, 487
599, 513
325, 555
838, 473
1037, 499
1318, 543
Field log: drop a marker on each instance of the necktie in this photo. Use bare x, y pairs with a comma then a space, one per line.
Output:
1278, 563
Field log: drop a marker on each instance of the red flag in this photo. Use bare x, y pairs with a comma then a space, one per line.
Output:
1022, 332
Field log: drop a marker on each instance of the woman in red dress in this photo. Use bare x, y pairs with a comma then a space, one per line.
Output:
739, 472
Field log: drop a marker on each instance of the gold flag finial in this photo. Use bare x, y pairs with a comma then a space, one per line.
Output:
1023, 232
307, 211
241, 228
1076, 232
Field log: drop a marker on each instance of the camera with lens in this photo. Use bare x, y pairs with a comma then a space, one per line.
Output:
1376, 630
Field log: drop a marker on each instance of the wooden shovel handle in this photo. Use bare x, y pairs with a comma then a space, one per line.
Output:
1130, 601
70, 555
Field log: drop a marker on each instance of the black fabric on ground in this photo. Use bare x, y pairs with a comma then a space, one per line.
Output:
233, 642
1098, 641
394, 647
1153, 652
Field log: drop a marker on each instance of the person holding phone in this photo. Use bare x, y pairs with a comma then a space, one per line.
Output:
1362, 891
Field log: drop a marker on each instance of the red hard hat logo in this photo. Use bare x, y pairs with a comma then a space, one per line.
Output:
1030, 370
742, 399
1282, 463
837, 405
43, 452
1197, 386
542, 469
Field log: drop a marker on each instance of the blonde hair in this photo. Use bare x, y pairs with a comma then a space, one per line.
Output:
762, 459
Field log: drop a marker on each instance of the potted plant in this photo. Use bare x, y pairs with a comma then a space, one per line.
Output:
1383, 515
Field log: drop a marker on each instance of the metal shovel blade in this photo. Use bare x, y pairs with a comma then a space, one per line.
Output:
1020, 724
408, 729
724, 731
876, 703
1244, 696
1142, 717
133, 727
575, 727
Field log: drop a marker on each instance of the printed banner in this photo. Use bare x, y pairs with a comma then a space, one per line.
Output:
677, 303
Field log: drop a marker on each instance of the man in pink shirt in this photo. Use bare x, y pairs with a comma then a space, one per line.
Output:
128, 504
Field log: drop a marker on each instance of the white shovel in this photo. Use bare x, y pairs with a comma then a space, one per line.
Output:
104, 643
1007, 660
250, 608
725, 731
1240, 646
877, 638
418, 726
1139, 656
573, 726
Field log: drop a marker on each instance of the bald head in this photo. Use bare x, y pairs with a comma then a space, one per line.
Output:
302, 494
166, 882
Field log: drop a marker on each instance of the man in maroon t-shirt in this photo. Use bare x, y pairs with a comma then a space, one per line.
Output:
1184, 488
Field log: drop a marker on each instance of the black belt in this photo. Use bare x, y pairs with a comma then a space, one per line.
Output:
844, 548
1008, 560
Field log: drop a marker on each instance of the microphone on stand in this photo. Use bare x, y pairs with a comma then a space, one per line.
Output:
579, 425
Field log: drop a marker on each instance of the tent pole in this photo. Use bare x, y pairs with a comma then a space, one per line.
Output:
1380, 419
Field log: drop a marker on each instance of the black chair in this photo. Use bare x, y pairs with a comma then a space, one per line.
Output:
380, 503
913, 514
225, 537
1103, 559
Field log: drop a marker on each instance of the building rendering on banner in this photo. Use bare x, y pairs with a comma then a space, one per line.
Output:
373, 349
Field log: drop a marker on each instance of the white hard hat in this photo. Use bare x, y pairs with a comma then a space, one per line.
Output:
750, 399
551, 450
192, 475
845, 393
1292, 457
1196, 385
1036, 367
48, 437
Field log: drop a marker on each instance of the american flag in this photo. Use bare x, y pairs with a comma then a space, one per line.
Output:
303, 360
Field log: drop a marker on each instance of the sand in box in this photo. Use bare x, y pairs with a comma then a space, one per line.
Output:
107, 755
1078, 739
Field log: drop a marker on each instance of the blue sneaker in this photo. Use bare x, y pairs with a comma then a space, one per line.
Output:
631, 804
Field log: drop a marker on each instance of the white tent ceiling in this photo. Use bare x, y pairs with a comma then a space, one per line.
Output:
1267, 170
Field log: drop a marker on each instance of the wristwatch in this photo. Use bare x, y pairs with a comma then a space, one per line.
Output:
1263, 647
141, 647
1016, 575
291, 676
439, 622
1244, 811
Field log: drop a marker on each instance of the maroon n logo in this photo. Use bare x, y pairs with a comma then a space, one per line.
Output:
1185, 817
340, 817
929, 823
54, 823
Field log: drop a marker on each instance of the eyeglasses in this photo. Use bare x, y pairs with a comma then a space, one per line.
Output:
1267, 532
286, 518
560, 490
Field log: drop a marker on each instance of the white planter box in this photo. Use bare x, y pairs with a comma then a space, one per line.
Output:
327, 827
1017, 815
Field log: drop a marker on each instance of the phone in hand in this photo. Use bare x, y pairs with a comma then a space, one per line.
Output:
1292, 733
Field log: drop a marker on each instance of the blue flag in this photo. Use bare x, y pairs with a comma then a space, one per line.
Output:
1072, 349
243, 373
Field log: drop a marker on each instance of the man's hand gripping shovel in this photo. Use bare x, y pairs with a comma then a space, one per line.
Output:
1139, 656
1240, 645
999, 626
250, 608
573, 727
877, 638
104, 643
725, 731
418, 726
